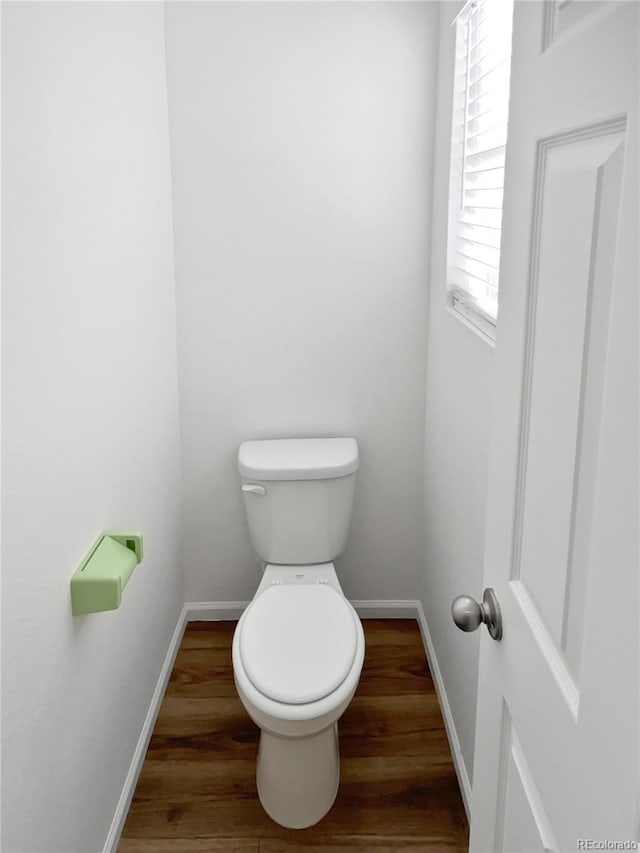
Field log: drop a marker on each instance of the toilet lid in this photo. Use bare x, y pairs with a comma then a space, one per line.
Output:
298, 642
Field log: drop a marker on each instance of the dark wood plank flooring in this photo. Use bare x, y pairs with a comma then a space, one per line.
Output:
398, 789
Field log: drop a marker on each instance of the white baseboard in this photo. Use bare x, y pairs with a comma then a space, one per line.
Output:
122, 809
215, 611
452, 734
390, 609
219, 611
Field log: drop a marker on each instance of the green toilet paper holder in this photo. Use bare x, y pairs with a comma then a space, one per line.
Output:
98, 582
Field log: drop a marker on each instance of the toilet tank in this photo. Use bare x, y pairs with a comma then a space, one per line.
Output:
298, 495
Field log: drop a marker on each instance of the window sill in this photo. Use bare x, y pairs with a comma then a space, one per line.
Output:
464, 310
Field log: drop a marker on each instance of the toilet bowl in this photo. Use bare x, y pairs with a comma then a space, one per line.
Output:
298, 652
298, 648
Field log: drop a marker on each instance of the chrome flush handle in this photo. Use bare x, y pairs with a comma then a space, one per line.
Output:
254, 489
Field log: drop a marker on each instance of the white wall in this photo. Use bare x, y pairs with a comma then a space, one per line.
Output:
90, 405
457, 424
301, 142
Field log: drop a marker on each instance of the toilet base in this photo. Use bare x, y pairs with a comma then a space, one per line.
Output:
298, 777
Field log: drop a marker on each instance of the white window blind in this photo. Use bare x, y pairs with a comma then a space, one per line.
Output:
479, 136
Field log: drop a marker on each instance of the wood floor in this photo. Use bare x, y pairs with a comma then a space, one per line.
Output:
398, 788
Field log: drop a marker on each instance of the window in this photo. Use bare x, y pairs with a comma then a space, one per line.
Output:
479, 136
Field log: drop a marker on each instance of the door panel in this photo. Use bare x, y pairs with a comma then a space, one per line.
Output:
562, 17
578, 197
523, 826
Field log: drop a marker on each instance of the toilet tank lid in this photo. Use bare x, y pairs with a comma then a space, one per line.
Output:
298, 458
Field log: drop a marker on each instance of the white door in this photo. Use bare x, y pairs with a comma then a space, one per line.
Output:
557, 747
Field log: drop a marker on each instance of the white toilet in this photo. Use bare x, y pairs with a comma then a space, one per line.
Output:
298, 648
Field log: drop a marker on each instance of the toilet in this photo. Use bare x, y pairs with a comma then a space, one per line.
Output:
298, 648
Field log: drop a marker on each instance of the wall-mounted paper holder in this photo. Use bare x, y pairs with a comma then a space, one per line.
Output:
103, 574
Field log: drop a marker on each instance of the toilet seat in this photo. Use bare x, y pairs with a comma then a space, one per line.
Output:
298, 642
